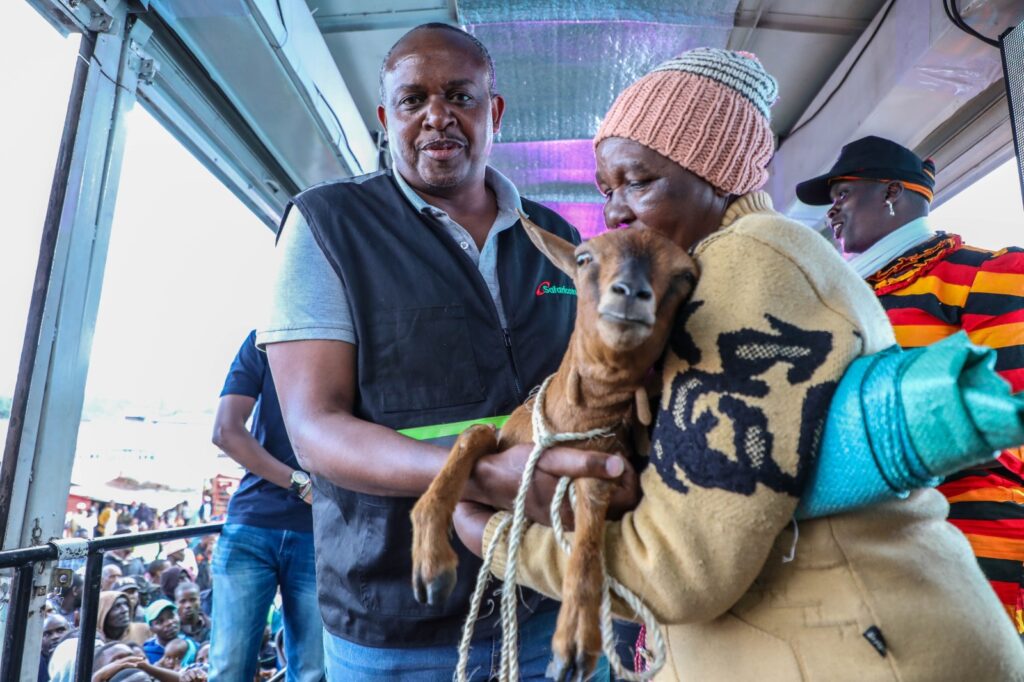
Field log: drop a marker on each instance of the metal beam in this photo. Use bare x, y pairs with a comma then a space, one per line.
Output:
373, 21
800, 23
305, 58
40, 449
271, 64
185, 100
905, 78
970, 144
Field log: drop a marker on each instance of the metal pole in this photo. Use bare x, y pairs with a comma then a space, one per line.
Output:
40, 287
90, 608
17, 614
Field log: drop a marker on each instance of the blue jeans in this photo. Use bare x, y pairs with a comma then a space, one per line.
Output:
350, 662
249, 564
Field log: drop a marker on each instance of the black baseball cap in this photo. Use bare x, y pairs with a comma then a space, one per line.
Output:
872, 158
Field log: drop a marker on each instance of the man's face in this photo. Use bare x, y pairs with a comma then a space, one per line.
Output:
54, 628
438, 111
166, 626
858, 214
111, 573
188, 604
119, 615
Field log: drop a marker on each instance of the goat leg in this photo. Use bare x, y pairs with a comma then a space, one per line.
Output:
577, 641
433, 559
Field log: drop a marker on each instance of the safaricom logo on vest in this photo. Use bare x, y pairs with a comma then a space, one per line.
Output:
546, 288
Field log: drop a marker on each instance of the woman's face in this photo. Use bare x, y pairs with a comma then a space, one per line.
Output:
642, 188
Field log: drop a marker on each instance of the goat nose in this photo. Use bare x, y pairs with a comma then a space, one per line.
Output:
621, 288
632, 290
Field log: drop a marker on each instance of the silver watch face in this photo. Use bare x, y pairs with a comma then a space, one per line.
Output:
299, 479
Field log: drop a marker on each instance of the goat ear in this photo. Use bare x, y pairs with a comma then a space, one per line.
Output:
643, 406
557, 250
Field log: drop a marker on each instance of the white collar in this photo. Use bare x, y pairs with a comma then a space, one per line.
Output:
889, 247
505, 193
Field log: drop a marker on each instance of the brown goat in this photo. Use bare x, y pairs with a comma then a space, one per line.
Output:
629, 285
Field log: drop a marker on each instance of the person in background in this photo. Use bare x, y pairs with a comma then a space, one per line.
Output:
70, 602
203, 549
115, 619
118, 661
171, 578
174, 654
107, 519
130, 588
114, 626
267, 540
122, 558
179, 553
110, 575
162, 618
194, 622
155, 568
55, 627
933, 285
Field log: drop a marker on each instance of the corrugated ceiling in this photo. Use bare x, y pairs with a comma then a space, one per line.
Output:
560, 66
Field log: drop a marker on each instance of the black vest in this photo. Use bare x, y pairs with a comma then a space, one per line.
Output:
431, 350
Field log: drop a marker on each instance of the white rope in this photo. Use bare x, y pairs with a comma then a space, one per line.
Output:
515, 527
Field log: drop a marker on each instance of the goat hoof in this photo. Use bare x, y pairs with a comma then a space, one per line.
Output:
433, 592
566, 671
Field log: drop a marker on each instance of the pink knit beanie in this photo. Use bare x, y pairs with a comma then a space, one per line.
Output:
707, 110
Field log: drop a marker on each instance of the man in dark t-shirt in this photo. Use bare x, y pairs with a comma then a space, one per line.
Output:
267, 541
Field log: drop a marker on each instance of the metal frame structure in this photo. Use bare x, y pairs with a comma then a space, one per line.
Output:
160, 60
25, 560
1014, 95
49, 393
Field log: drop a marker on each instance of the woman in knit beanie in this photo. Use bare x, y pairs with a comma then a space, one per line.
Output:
889, 592
703, 120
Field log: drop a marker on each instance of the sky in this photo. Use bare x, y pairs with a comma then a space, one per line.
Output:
184, 281
185, 276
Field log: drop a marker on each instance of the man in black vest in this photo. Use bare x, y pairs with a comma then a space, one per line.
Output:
408, 303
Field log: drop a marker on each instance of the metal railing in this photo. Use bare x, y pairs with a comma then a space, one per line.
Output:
24, 560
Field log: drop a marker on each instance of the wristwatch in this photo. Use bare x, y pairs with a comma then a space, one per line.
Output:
300, 484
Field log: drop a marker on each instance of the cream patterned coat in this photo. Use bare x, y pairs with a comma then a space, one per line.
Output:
888, 593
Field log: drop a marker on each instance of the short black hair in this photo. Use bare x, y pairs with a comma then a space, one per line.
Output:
481, 51
186, 585
102, 652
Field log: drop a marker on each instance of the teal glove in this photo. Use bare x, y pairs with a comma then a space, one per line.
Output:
902, 420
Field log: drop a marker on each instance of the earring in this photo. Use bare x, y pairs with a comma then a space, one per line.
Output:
888, 202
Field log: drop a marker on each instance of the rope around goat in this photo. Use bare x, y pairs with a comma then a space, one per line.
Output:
515, 526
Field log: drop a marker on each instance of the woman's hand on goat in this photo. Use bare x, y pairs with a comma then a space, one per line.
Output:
495, 480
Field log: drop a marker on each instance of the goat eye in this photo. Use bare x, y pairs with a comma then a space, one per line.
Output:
583, 259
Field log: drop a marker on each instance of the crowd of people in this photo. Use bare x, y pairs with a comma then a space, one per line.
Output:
153, 617
96, 519
404, 305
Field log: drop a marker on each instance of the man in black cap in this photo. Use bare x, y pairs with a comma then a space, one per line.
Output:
931, 286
